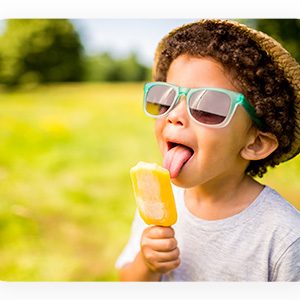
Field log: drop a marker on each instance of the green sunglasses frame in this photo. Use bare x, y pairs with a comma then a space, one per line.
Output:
236, 99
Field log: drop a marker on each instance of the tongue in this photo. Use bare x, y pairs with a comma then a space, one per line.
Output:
175, 158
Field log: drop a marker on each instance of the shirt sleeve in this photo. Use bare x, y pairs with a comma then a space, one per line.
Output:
133, 245
288, 265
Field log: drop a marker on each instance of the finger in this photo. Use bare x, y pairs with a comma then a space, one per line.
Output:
167, 266
159, 232
162, 245
168, 256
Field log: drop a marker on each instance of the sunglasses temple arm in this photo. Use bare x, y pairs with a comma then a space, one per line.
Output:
251, 111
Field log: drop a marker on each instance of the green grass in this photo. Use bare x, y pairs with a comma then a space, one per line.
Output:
65, 191
66, 199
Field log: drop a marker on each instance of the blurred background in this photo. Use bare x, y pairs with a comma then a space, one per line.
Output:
71, 126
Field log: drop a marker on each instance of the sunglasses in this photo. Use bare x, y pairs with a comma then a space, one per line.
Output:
211, 107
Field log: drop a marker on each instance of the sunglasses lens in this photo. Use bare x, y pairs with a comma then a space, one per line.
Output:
159, 99
209, 107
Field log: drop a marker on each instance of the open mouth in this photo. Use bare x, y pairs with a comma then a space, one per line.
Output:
171, 145
176, 157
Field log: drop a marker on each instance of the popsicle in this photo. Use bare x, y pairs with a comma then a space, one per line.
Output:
153, 194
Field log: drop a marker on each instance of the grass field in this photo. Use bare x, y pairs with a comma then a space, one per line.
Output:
66, 199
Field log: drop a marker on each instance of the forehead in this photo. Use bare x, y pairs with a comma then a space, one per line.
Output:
192, 72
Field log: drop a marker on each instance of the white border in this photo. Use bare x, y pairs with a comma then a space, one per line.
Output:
145, 291
148, 9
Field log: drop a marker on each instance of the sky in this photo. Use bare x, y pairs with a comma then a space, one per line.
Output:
123, 36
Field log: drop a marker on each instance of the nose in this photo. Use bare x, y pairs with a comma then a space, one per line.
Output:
178, 115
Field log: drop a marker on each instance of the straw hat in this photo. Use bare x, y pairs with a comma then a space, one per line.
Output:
280, 56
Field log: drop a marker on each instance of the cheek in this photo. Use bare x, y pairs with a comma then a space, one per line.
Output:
158, 129
232, 138
218, 145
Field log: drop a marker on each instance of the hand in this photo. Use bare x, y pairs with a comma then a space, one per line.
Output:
159, 249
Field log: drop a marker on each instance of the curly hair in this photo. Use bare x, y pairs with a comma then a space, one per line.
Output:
252, 71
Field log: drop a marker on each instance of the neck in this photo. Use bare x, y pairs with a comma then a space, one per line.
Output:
222, 198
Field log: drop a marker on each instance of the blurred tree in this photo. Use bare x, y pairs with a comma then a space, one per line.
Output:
129, 69
103, 67
286, 31
39, 50
100, 67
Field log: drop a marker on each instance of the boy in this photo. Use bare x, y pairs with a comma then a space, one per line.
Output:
226, 99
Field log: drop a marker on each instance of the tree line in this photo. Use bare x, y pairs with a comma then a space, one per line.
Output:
50, 50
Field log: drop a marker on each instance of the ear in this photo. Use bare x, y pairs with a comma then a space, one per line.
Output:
259, 146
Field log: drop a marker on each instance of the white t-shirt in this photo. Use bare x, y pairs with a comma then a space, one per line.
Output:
261, 243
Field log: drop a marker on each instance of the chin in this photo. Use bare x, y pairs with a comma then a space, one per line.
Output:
183, 181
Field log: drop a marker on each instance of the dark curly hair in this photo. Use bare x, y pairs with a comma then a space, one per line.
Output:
252, 71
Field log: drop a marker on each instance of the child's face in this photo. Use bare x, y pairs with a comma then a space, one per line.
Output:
215, 153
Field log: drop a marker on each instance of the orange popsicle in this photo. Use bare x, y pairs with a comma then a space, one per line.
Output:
153, 193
